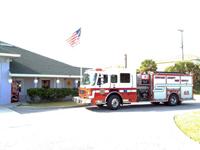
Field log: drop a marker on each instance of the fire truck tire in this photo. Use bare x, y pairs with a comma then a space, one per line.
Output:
173, 100
113, 102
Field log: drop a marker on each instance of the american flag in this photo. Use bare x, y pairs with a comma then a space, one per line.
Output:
74, 39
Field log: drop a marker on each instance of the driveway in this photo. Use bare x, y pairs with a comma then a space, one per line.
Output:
139, 126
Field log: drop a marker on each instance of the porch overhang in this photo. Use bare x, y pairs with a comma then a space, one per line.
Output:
10, 55
42, 76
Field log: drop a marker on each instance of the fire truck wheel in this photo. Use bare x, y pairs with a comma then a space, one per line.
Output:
113, 102
173, 100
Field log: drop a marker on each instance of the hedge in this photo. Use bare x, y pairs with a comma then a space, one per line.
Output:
51, 94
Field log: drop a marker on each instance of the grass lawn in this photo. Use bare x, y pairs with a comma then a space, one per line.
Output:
189, 123
51, 104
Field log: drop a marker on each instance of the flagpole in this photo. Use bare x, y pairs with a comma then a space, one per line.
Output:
81, 68
81, 74
74, 40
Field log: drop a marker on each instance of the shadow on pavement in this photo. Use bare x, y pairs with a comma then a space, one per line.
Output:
136, 107
147, 107
26, 110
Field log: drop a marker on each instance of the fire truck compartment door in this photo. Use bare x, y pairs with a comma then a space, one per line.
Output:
186, 92
159, 93
186, 87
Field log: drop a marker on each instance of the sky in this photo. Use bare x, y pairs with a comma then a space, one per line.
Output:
142, 29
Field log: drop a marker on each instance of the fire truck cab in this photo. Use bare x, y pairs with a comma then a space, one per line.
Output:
115, 87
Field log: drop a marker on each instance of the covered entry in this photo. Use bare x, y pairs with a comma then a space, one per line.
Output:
15, 90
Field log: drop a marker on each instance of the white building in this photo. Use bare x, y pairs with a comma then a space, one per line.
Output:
30, 70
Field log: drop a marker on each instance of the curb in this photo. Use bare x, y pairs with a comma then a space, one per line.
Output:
48, 107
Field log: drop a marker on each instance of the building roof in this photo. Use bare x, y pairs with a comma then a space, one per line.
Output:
32, 63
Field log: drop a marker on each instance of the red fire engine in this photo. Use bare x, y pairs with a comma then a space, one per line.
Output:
115, 87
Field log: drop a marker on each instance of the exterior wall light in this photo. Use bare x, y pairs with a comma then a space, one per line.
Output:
35, 80
10, 80
57, 81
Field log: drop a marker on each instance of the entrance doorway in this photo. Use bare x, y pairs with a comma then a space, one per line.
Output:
16, 88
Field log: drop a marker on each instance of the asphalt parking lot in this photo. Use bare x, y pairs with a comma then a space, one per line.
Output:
138, 126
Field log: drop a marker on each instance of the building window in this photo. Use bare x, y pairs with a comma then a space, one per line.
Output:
69, 83
124, 77
46, 84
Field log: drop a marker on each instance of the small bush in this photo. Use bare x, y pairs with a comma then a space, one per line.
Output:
197, 87
74, 92
52, 94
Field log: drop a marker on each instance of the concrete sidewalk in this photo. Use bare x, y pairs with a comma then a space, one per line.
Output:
9, 117
4, 109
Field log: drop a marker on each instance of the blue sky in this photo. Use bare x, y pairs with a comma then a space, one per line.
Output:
143, 29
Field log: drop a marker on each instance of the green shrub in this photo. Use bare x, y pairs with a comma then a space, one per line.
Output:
74, 92
197, 87
51, 94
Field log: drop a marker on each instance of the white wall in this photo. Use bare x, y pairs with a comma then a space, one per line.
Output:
5, 86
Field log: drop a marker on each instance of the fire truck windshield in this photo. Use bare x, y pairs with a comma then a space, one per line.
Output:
89, 79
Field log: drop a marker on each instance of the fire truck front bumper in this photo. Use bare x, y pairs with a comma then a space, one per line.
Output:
81, 100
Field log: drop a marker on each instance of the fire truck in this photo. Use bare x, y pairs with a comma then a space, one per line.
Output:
115, 87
